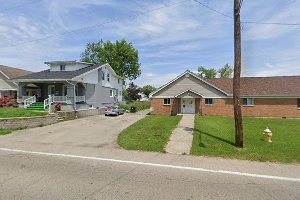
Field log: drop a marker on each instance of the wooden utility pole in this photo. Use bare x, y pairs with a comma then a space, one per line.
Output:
237, 75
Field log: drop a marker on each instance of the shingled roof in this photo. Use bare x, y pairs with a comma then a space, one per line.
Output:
261, 86
57, 75
12, 72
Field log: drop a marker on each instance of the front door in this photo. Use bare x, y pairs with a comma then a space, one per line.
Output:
188, 106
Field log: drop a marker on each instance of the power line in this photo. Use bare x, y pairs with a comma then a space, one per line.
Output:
95, 25
20, 5
248, 22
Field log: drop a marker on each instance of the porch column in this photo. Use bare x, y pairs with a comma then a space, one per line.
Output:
20, 91
71, 96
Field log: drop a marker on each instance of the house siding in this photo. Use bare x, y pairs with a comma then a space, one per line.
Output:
189, 83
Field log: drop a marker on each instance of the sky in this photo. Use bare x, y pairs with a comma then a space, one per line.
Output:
171, 36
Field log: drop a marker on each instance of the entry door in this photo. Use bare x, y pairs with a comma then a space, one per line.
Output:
188, 106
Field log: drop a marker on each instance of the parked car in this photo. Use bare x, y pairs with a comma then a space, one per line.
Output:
113, 110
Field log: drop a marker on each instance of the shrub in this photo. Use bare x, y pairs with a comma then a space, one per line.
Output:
57, 106
8, 102
138, 106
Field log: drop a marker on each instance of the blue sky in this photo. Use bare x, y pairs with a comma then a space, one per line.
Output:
170, 40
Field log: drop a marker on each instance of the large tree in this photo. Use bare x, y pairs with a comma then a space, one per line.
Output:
121, 56
226, 71
133, 92
207, 73
147, 89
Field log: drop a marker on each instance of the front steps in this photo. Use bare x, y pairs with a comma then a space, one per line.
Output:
36, 106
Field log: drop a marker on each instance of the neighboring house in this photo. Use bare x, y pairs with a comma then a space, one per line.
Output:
8, 88
261, 96
143, 97
73, 83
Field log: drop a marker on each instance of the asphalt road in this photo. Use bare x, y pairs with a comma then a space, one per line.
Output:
47, 168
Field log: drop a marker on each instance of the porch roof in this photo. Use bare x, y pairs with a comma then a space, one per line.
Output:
188, 93
48, 75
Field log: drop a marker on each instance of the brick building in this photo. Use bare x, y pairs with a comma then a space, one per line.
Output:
261, 96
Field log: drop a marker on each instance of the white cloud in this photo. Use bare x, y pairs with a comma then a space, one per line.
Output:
155, 79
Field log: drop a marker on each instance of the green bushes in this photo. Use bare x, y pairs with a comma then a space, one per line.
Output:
139, 105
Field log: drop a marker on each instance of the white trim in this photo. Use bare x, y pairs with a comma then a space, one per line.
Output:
8, 79
187, 91
105, 65
187, 72
67, 62
8, 89
167, 104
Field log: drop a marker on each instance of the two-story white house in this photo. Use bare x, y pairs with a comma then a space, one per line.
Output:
75, 84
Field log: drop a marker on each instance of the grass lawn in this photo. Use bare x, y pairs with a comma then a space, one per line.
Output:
19, 112
148, 134
214, 136
7, 131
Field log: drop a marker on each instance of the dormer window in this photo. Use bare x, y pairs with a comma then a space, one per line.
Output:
62, 67
108, 77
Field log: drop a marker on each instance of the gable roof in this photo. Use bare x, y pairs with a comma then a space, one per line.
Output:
11, 72
61, 75
189, 90
261, 86
181, 75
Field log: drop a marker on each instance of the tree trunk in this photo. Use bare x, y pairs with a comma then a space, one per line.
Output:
236, 78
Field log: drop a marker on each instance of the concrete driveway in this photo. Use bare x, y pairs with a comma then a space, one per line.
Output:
96, 132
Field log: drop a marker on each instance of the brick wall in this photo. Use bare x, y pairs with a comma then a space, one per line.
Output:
161, 109
263, 107
23, 122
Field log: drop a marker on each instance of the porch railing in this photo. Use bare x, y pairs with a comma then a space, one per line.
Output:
48, 102
29, 101
80, 98
60, 98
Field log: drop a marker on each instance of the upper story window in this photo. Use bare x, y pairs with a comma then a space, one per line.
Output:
209, 102
298, 103
107, 76
248, 102
111, 93
103, 76
118, 81
62, 67
167, 101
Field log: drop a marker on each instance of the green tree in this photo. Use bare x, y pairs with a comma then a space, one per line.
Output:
121, 56
125, 94
147, 89
133, 92
226, 71
207, 73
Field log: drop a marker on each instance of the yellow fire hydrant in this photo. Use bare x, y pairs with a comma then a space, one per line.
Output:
268, 135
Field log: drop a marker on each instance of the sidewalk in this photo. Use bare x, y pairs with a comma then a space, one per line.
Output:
182, 137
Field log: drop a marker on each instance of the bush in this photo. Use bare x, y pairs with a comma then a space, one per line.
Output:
8, 102
138, 106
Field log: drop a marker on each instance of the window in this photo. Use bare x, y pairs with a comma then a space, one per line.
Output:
209, 102
103, 76
62, 67
167, 101
111, 93
118, 81
107, 76
120, 93
248, 102
298, 103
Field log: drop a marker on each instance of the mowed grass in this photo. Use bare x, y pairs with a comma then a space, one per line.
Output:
8, 131
19, 112
149, 134
215, 136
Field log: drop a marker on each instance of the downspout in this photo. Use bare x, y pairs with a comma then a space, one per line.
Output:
74, 103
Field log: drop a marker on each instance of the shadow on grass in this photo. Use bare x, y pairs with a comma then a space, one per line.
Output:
213, 136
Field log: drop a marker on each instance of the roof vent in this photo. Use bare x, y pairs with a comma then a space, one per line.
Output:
187, 75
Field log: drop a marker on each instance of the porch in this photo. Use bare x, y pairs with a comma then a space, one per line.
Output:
49, 92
